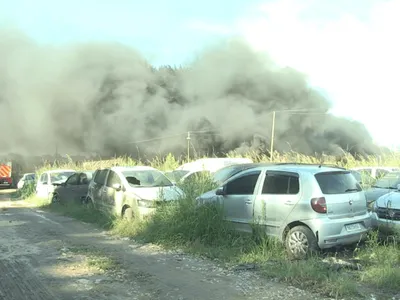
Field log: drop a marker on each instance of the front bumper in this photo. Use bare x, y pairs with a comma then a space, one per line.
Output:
385, 225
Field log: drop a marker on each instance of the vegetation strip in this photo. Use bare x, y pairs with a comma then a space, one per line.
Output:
364, 269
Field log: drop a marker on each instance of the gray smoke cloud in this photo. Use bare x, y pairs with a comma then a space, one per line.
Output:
107, 99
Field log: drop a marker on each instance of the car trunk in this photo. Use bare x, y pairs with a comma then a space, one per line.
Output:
343, 194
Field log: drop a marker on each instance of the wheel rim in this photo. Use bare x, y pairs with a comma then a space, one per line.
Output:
55, 198
298, 243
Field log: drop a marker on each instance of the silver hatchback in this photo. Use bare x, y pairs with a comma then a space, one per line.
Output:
308, 207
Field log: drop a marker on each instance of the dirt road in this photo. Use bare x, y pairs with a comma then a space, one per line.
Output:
45, 256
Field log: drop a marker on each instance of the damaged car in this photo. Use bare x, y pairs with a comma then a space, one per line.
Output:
74, 189
131, 192
49, 180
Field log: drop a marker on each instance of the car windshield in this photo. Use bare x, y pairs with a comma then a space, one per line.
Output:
60, 176
389, 181
223, 174
146, 178
177, 175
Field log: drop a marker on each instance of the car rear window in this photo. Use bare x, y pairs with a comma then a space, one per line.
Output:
338, 182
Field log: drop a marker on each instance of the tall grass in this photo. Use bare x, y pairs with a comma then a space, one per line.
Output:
202, 231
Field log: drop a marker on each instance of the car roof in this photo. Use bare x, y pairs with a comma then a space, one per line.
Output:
60, 170
134, 168
309, 168
374, 167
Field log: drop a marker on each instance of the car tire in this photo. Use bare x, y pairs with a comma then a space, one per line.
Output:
55, 199
128, 214
300, 242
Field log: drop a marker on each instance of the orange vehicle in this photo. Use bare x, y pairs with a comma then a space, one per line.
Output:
5, 174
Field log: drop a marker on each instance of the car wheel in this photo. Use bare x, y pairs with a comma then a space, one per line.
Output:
55, 198
128, 214
300, 242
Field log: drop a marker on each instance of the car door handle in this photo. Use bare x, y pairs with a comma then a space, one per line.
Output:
288, 202
248, 202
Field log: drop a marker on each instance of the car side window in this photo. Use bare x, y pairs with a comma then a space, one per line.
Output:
101, 177
112, 179
280, 184
72, 180
84, 178
243, 185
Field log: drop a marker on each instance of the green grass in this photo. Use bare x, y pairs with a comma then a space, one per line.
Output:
201, 231
96, 258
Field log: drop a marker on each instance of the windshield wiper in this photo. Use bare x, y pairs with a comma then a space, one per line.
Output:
351, 190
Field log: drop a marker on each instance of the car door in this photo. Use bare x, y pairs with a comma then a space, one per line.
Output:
112, 197
42, 186
83, 185
276, 199
98, 187
68, 190
238, 200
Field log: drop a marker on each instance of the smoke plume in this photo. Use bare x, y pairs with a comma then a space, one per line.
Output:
105, 98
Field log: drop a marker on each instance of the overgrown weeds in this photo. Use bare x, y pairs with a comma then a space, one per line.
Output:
202, 231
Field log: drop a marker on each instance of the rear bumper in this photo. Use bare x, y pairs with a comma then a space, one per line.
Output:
5, 181
332, 233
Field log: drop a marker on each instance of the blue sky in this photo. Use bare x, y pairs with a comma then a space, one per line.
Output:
347, 48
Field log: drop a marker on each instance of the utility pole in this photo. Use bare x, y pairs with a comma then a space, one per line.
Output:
271, 151
188, 146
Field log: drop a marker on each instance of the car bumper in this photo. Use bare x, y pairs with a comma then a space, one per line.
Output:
385, 225
332, 233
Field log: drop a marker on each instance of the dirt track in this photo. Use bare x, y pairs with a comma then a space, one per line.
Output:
45, 256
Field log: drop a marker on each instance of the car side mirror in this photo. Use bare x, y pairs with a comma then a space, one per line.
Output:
63, 184
220, 191
117, 187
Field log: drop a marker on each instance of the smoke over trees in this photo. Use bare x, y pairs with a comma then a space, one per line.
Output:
106, 98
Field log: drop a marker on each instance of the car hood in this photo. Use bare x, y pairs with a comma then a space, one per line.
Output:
207, 197
391, 200
374, 193
167, 193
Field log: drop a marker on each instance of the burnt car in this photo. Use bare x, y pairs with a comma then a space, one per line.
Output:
74, 189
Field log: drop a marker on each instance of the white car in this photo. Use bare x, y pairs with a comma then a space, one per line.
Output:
376, 172
49, 180
126, 191
27, 178
386, 211
205, 165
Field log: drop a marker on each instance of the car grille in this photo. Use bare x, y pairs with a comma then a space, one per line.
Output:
388, 213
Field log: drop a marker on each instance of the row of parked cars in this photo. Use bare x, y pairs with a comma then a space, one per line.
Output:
307, 207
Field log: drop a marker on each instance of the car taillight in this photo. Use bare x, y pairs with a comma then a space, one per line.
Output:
319, 205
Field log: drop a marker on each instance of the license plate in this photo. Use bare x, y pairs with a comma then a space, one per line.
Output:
353, 227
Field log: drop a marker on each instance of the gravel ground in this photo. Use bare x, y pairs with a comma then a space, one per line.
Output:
46, 256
